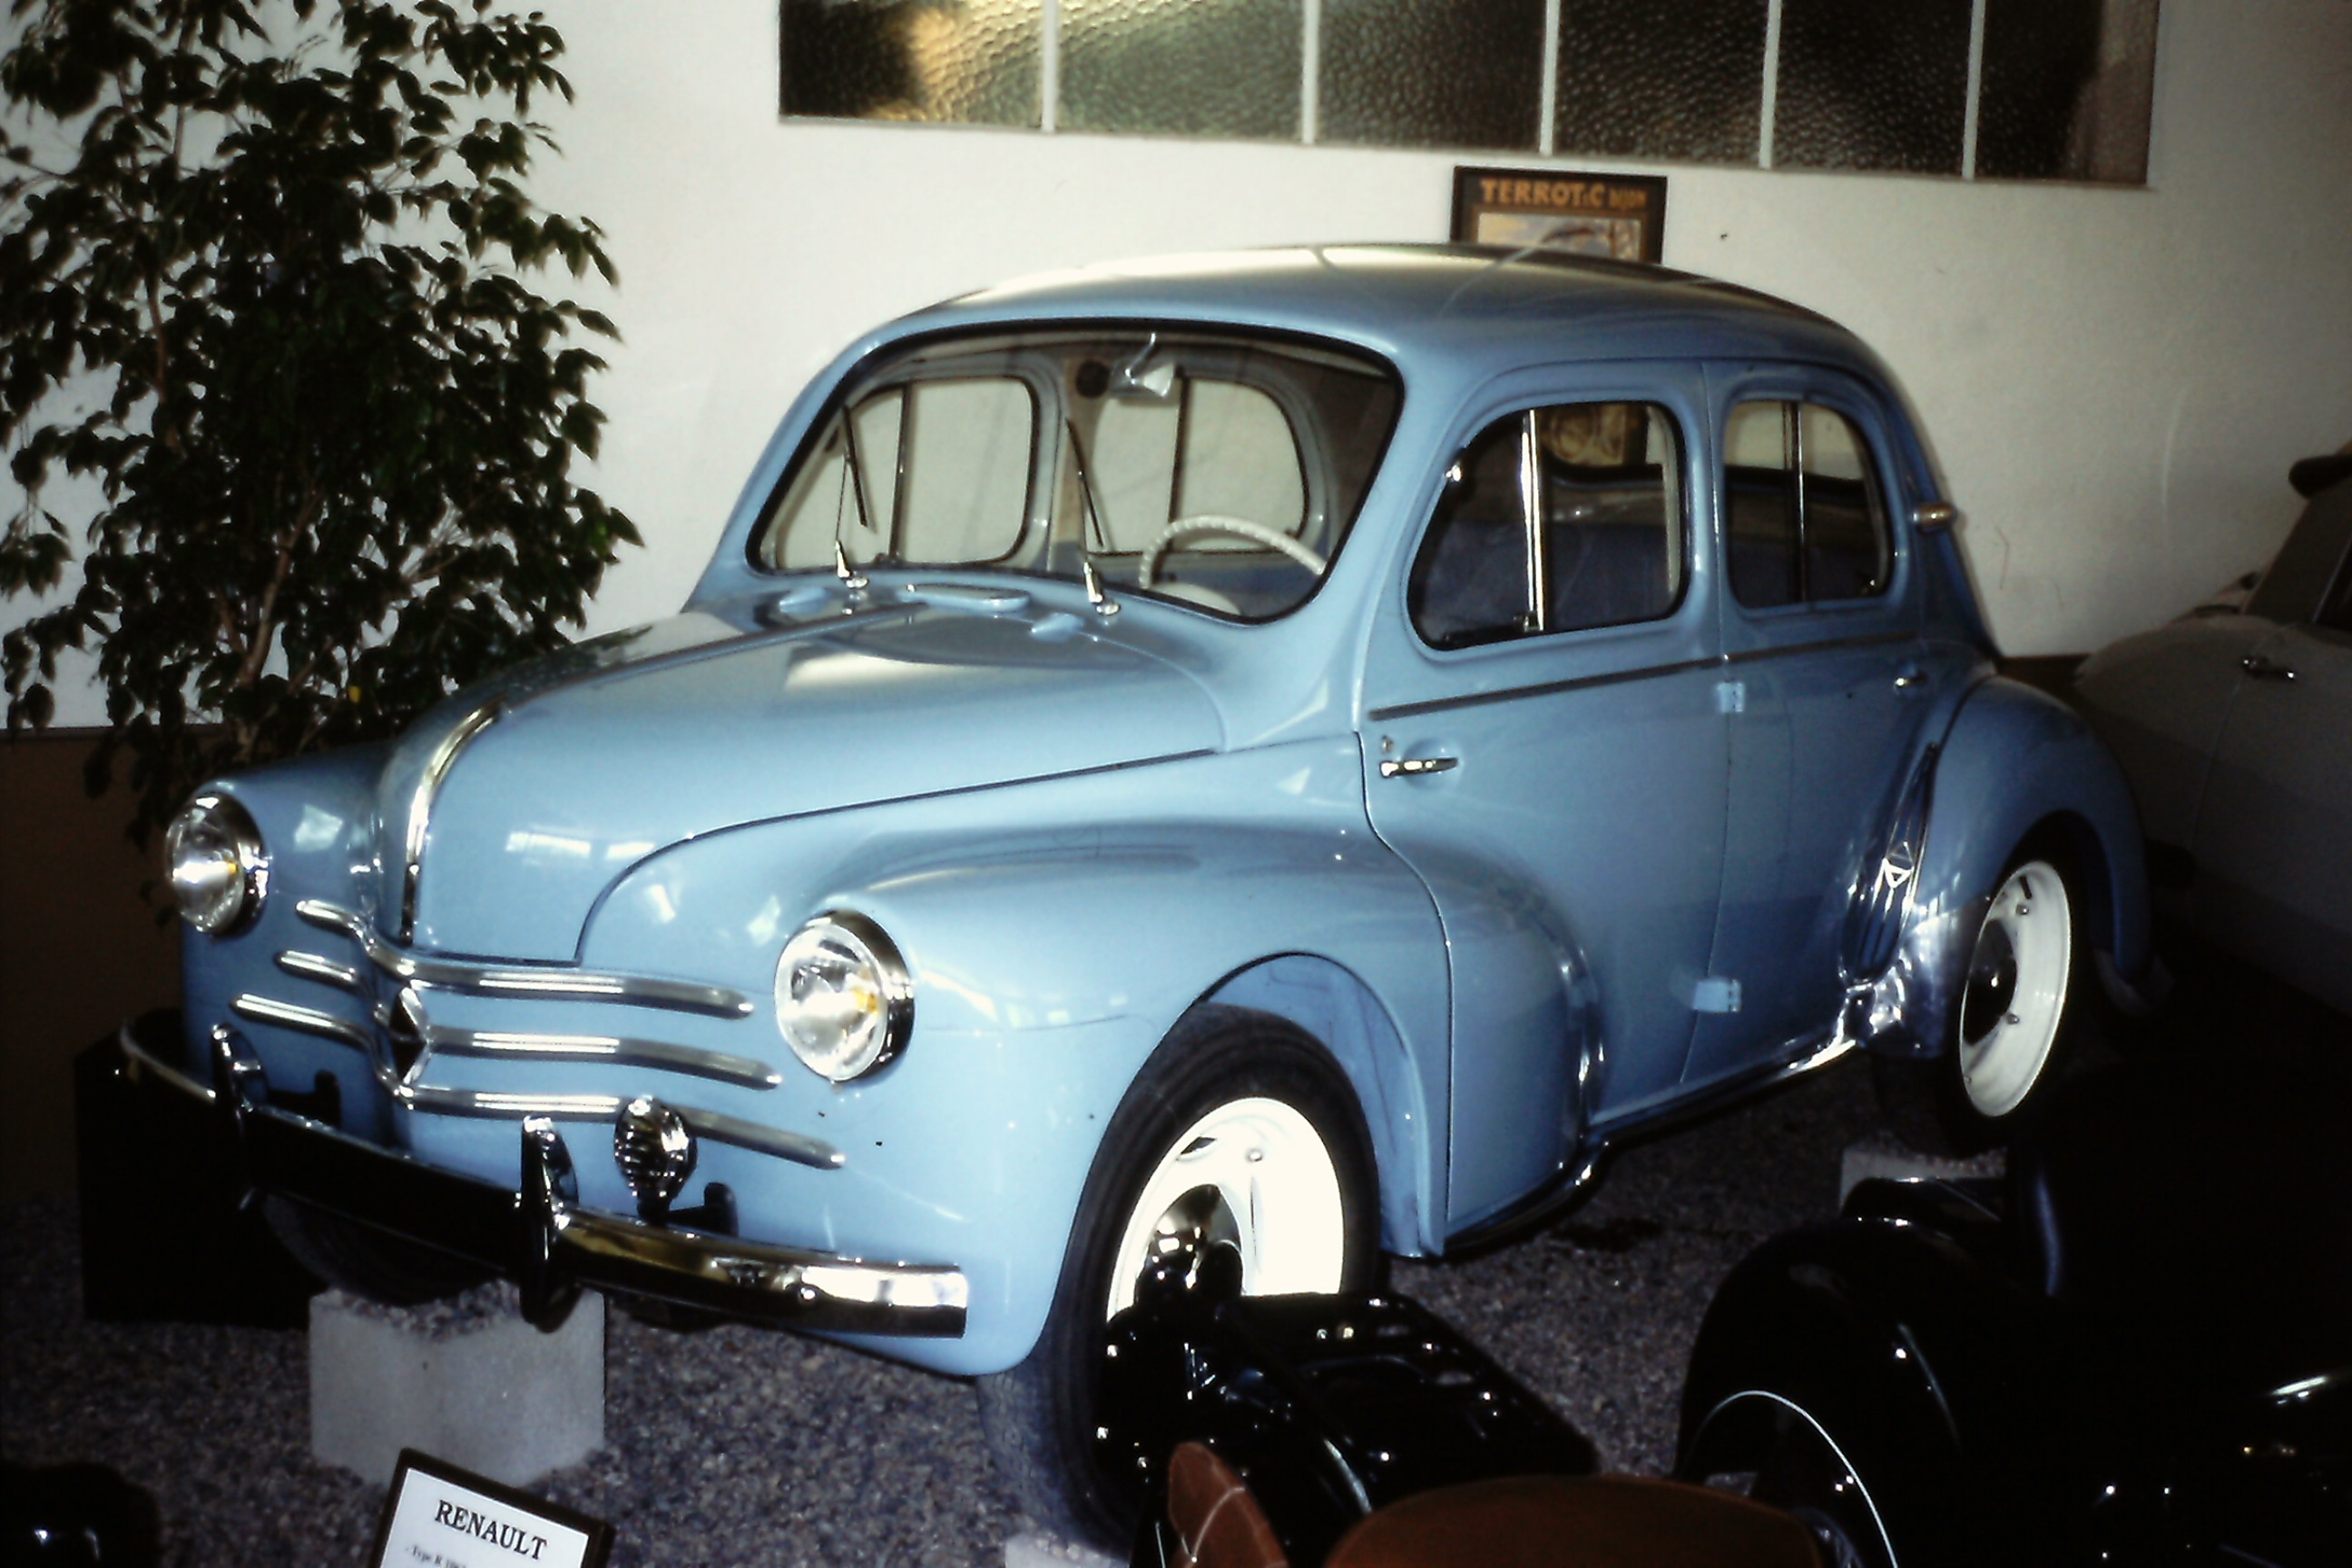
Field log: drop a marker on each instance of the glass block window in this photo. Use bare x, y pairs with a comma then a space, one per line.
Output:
2044, 90
1679, 79
2067, 88
968, 62
1185, 68
1873, 84
1405, 73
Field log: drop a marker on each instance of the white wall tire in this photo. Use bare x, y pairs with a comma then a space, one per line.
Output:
1278, 1202
2020, 978
1240, 1129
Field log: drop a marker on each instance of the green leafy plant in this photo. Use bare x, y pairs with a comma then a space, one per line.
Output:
269, 301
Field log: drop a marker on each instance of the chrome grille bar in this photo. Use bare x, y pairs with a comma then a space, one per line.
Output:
712, 1124
310, 1020
574, 984
326, 971
449, 1042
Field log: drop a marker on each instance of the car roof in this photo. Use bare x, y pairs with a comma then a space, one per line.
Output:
1505, 306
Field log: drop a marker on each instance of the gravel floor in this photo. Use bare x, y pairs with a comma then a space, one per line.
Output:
736, 1445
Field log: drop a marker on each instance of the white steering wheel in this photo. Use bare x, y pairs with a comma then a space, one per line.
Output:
1213, 522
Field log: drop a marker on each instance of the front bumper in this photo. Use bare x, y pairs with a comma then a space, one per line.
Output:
541, 1237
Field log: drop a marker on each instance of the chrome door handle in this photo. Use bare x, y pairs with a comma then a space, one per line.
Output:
2262, 669
1910, 678
1414, 767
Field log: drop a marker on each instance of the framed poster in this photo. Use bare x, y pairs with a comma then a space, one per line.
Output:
438, 1516
1618, 216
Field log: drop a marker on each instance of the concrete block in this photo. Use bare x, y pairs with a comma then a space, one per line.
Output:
1883, 1155
465, 1380
1032, 1550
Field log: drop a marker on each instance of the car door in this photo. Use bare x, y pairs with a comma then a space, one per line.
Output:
1543, 745
2273, 839
1824, 664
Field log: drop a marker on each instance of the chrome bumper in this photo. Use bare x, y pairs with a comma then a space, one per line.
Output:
542, 1237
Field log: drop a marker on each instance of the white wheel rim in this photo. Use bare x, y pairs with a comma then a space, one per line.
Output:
1277, 1192
2003, 1048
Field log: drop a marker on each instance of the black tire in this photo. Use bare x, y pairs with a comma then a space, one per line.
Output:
367, 1262
1995, 1074
1804, 1472
1038, 1417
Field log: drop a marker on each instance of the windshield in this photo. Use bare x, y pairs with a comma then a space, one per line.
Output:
1219, 469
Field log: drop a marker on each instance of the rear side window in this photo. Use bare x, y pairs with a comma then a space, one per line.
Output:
1557, 519
1803, 518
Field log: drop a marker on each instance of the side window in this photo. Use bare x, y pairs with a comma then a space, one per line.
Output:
1557, 519
1803, 518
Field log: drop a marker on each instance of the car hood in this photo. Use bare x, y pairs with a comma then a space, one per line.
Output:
521, 801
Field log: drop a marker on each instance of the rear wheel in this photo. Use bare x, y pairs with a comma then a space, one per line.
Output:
368, 1262
1241, 1133
2012, 1036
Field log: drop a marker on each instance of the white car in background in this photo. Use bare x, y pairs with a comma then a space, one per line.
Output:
2234, 725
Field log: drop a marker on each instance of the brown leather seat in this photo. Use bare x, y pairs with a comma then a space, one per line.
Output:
1217, 1523
1576, 1522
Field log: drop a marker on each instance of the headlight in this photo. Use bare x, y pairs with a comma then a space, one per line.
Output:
844, 1000
219, 870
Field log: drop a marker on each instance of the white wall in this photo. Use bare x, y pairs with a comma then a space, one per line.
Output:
2115, 380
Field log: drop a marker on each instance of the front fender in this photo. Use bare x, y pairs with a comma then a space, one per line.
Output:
2015, 764
1055, 932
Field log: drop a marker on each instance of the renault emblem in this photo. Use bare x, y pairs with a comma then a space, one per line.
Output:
407, 1034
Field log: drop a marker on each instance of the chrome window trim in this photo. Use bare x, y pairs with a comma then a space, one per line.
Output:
644, 991
420, 806
309, 1020
326, 971
617, 1050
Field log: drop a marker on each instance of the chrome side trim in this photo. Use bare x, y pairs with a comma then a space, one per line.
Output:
1543, 689
420, 806
143, 1060
309, 1020
326, 971
800, 1148
643, 990
620, 1052
1826, 645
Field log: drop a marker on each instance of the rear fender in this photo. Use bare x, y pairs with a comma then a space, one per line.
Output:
2016, 765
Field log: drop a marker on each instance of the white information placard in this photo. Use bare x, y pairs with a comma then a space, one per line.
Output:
438, 1516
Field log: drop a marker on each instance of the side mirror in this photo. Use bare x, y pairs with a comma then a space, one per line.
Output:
1934, 516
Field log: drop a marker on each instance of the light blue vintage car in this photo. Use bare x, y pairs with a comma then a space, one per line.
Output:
1305, 750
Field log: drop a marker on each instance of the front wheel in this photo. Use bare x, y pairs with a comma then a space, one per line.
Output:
1240, 1132
2028, 982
